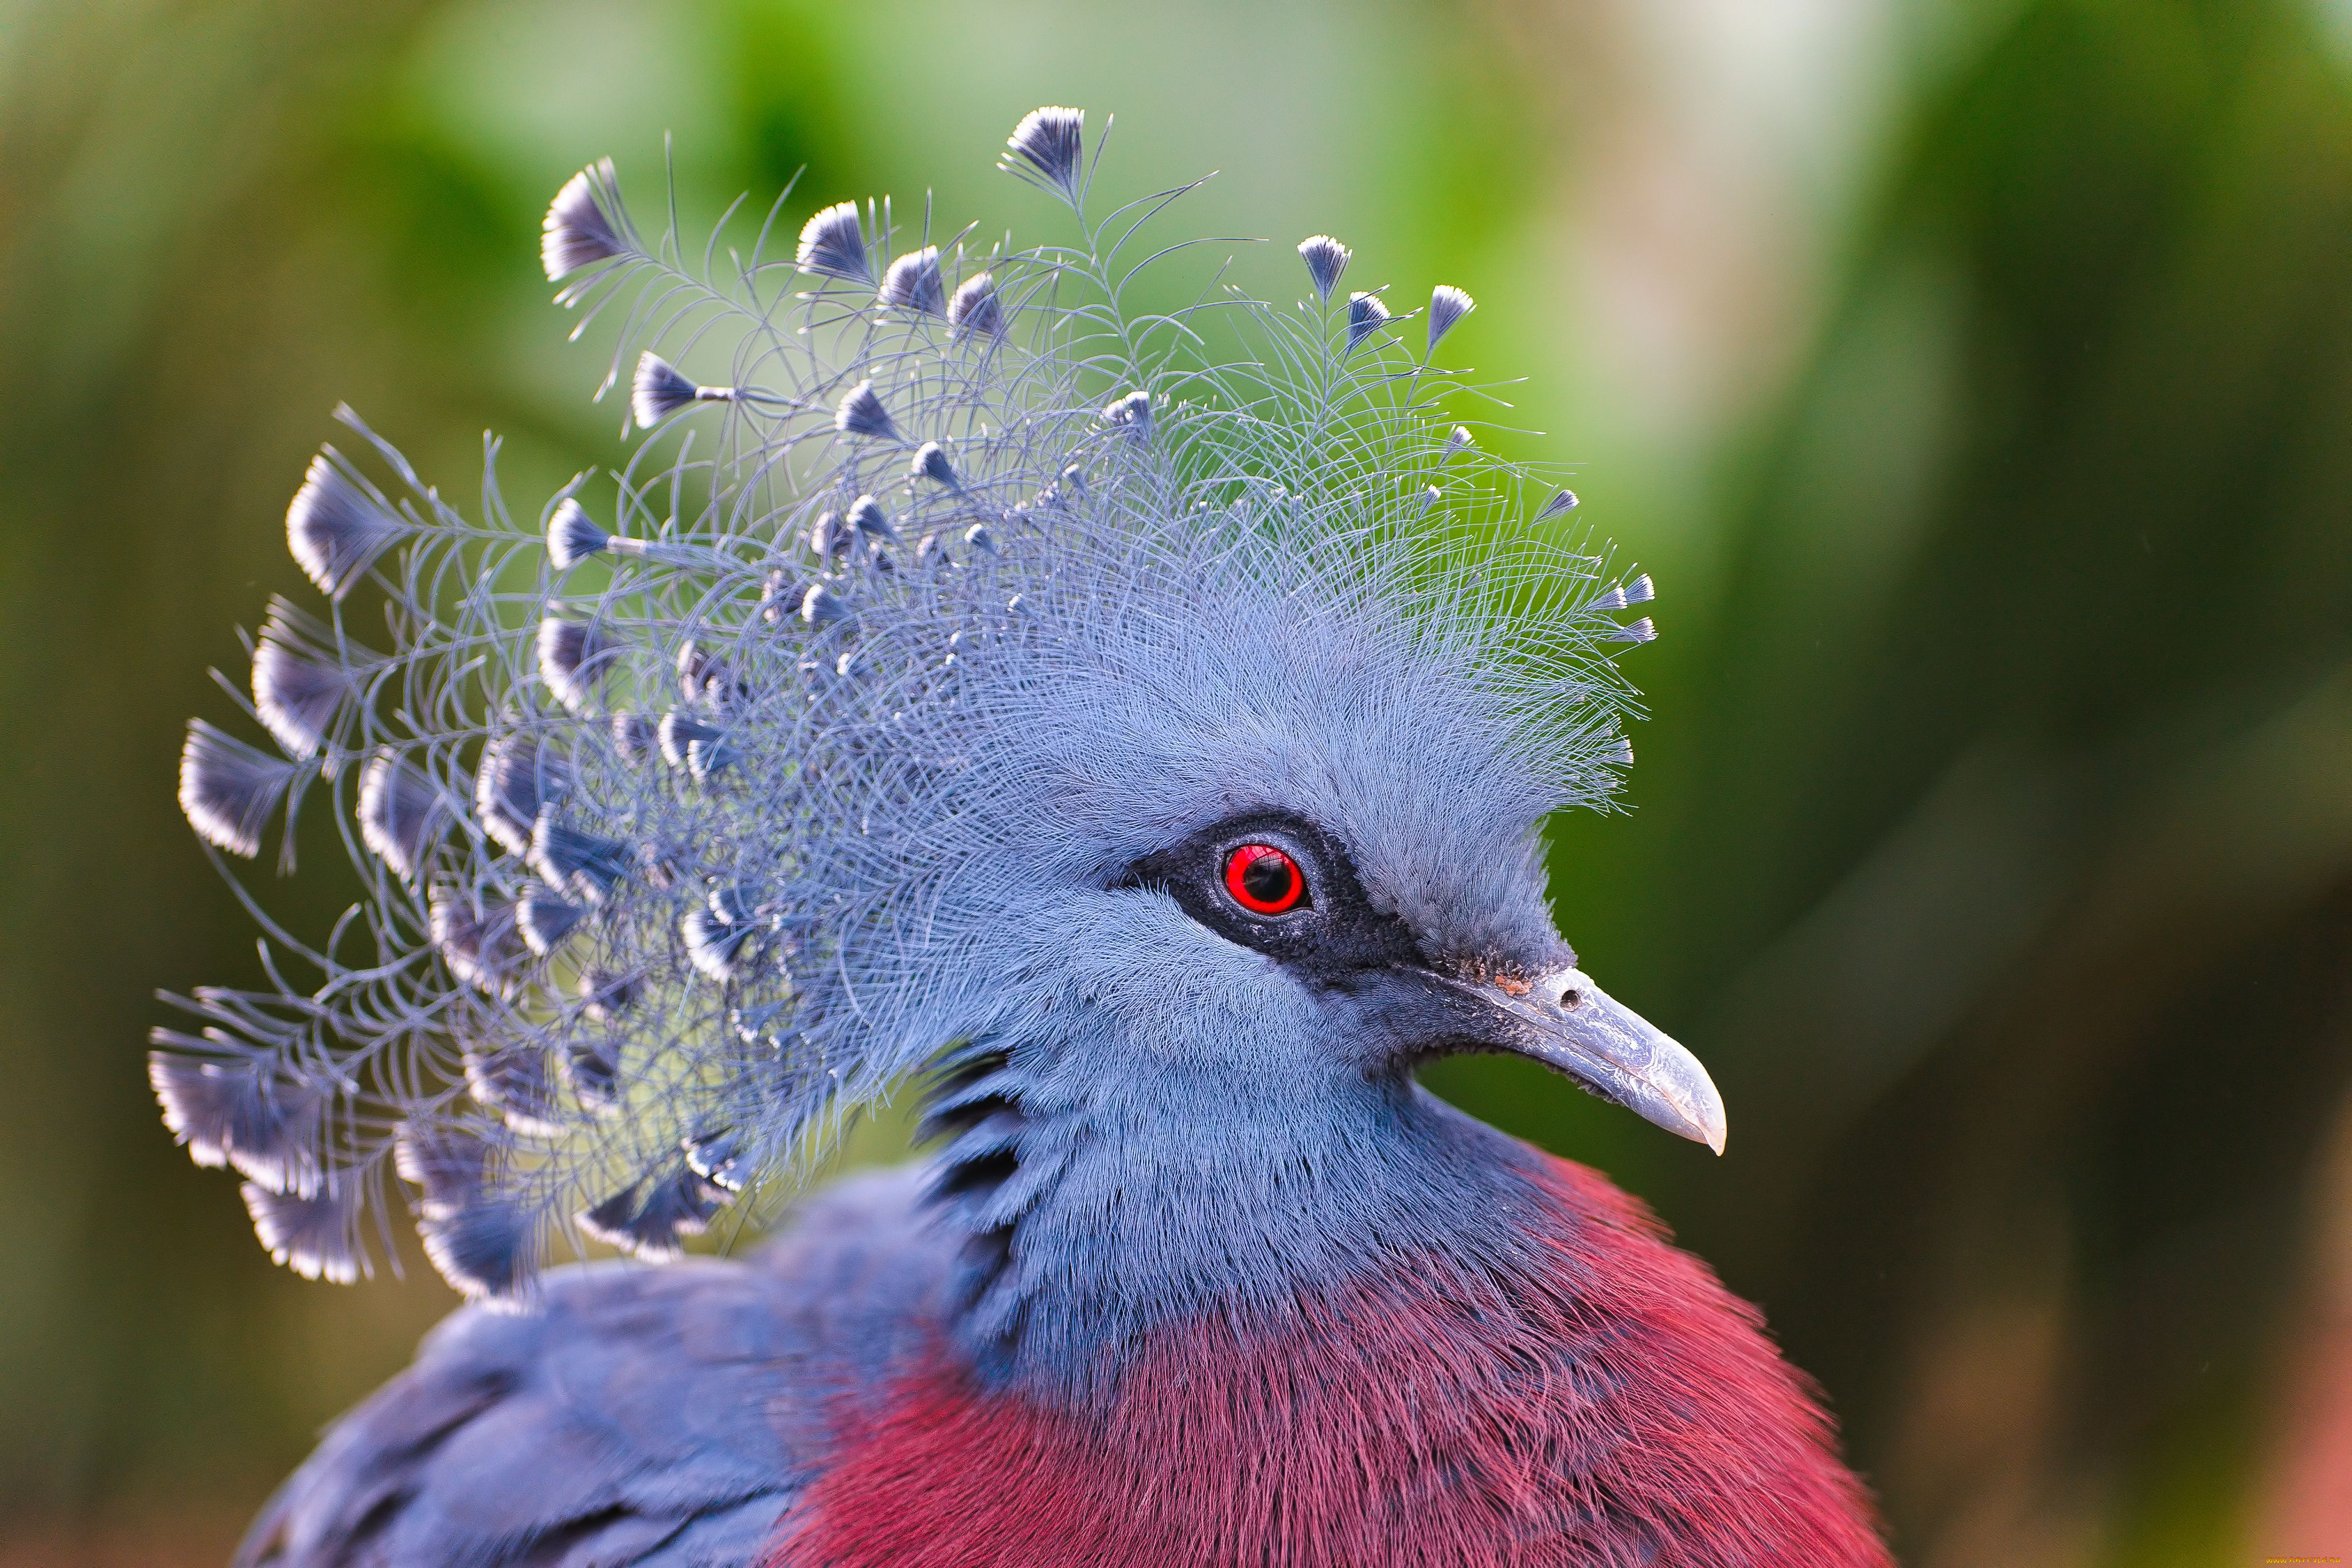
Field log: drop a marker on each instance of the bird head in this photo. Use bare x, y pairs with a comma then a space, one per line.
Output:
1264, 847
901, 706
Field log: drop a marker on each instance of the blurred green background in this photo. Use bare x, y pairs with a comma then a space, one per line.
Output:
1976, 379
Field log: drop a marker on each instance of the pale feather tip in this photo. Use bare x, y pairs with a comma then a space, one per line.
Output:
832, 245
1447, 306
1048, 148
1326, 259
912, 283
585, 224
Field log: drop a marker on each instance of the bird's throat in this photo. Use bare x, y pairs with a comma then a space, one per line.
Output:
1089, 1229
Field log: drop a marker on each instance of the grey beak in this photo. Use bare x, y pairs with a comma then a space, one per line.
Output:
1573, 1027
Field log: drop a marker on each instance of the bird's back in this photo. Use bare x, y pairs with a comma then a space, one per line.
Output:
635, 1415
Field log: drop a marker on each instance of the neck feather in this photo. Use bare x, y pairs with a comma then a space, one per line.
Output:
1089, 1224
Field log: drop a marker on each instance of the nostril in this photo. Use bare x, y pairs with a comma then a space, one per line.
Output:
1571, 999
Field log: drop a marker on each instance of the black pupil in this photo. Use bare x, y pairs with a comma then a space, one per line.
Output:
1268, 879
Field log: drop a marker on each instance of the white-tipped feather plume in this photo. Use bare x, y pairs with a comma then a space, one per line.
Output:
713, 850
399, 812
932, 462
659, 391
1049, 147
1447, 306
572, 658
861, 414
571, 537
301, 679
832, 245
338, 524
1131, 414
586, 225
912, 283
973, 309
229, 790
238, 1110
1326, 260
316, 1236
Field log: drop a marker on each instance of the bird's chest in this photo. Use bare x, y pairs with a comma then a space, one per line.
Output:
1586, 1398
1372, 1430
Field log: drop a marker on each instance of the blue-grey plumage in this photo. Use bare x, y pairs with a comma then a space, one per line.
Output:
752, 826
662, 1417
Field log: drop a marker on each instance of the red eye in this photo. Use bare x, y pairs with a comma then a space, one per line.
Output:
1264, 881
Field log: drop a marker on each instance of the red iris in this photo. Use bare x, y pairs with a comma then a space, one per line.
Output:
1264, 881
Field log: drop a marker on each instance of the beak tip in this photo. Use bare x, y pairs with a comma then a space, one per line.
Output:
1714, 1130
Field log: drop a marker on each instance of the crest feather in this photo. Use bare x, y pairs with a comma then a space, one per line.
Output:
670, 871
